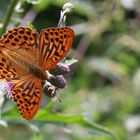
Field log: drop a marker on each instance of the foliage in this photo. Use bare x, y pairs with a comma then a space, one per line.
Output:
103, 89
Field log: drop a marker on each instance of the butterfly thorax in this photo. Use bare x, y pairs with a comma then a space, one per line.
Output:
38, 72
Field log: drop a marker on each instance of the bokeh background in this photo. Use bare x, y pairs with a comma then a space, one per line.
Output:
102, 98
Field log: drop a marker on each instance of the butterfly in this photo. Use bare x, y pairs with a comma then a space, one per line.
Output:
25, 56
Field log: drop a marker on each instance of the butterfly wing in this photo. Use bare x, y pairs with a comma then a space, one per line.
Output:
18, 49
27, 95
10, 70
21, 43
54, 44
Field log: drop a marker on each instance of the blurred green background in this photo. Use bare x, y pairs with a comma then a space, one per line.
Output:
103, 92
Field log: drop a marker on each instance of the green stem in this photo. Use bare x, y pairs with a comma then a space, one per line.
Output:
8, 15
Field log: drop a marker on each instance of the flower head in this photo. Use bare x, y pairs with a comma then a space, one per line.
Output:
56, 79
8, 87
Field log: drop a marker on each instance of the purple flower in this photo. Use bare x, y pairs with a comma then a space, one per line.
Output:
60, 69
56, 79
49, 90
8, 86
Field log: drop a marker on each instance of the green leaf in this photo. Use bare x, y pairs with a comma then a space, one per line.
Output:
42, 5
33, 1
30, 25
46, 116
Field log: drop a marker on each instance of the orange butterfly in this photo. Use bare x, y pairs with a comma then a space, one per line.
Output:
25, 56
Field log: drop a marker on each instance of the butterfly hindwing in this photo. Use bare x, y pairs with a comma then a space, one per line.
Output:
54, 44
27, 95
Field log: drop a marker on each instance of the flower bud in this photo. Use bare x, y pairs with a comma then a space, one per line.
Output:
68, 7
49, 90
58, 81
60, 69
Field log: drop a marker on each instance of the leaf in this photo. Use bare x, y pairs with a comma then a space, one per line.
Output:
44, 115
42, 5
33, 1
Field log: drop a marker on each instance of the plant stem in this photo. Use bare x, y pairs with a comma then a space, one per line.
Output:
8, 15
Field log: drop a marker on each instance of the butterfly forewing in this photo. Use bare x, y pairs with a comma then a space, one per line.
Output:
27, 95
54, 44
10, 71
21, 43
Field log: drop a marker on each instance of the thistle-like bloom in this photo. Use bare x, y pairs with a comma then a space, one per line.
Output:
60, 69
8, 86
56, 79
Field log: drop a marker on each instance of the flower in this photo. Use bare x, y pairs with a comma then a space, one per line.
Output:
56, 78
58, 81
49, 90
8, 87
60, 69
